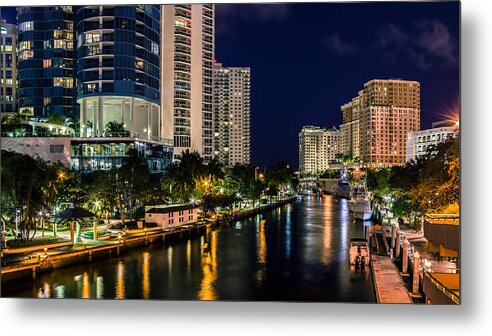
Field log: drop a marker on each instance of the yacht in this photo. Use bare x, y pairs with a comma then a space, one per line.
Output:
357, 193
341, 189
362, 209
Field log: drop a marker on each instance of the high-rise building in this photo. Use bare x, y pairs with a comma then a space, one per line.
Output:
387, 110
8, 67
118, 60
318, 148
46, 75
419, 142
232, 113
349, 130
187, 43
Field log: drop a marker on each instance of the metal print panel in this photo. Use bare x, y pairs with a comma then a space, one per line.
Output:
248, 152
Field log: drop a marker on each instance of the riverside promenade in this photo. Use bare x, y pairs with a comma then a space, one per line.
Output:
23, 265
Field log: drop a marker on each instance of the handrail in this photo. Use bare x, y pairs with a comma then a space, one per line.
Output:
455, 298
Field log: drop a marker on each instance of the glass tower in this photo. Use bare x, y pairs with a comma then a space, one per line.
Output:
118, 59
45, 61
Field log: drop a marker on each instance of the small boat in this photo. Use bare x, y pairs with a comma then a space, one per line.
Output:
359, 252
357, 193
362, 209
341, 189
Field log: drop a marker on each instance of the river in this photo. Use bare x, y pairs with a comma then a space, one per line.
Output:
295, 253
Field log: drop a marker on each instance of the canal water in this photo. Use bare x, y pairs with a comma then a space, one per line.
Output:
295, 253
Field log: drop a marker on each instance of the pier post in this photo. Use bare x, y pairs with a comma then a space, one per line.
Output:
416, 275
393, 235
404, 267
398, 247
72, 232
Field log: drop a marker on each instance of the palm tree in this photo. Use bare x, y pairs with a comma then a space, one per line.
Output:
114, 128
56, 118
74, 121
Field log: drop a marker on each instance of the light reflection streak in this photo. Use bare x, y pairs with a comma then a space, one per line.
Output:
327, 230
99, 287
288, 231
59, 291
262, 251
120, 281
188, 256
344, 223
146, 275
45, 291
209, 270
86, 287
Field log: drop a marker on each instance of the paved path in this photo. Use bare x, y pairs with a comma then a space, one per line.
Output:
388, 282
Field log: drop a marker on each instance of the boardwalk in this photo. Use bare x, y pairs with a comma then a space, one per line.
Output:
388, 282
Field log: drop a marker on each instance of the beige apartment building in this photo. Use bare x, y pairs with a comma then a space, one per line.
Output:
8, 68
187, 33
318, 148
232, 113
386, 110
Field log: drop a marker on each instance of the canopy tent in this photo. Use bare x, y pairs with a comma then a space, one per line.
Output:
72, 215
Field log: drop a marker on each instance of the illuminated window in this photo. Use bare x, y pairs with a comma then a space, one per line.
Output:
47, 45
154, 48
27, 111
57, 34
69, 45
25, 26
68, 82
8, 48
47, 101
23, 55
58, 44
24, 45
58, 81
47, 63
139, 65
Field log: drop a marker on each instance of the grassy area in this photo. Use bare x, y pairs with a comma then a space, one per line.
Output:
36, 241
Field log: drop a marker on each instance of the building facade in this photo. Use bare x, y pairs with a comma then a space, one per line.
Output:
349, 130
46, 74
318, 148
387, 111
169, 216
8, 68
419, 142
232, 114
187, 44
118, 60
87, 155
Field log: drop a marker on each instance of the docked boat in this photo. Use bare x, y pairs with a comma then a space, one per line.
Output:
358, 192
362, 209
341, 189
359, 252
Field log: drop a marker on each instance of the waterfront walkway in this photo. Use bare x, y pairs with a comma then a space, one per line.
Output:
388, 282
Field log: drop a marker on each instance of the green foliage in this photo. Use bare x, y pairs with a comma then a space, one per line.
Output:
56, 118
115, 129
35, 241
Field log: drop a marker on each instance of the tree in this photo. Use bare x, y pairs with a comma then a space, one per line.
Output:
115, 129
56, 118
74, 121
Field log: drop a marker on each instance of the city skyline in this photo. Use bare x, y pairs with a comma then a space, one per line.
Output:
394, 43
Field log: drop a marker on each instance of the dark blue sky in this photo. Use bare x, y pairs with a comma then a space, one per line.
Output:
308, 59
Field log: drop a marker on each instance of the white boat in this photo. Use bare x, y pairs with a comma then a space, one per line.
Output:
341, 189
359, 252
357, 193
362, 209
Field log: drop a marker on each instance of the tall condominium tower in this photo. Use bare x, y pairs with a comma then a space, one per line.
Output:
46, 61
232, 110
349, 130
318, 147
118, 58
187, 35
387, 111
8, 68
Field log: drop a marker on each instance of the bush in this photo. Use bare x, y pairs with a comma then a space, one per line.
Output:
36, 241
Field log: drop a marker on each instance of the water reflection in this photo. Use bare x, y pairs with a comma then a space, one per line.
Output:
146, 275
209, 269
297, 253
120, 281
86, 287
327, 231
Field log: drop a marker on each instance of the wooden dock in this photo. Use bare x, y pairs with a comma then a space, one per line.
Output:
388, 283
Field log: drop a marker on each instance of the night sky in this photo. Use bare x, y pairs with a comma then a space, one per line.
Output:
308, 59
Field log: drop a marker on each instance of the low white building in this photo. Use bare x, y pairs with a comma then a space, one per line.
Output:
418, 142
169, 216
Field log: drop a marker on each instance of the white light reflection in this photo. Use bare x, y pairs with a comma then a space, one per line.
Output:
288, 231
